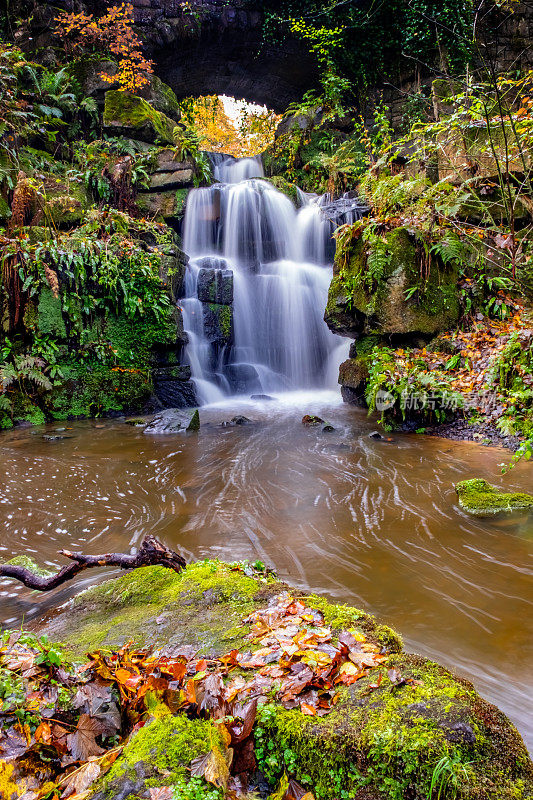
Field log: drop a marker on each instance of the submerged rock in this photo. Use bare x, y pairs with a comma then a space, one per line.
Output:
479, 498
238, 420
383, 737
261, 397
174, 420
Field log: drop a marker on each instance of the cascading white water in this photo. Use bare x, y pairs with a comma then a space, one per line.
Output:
248, 241
235, 170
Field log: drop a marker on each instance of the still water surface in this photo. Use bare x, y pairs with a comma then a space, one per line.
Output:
371, 523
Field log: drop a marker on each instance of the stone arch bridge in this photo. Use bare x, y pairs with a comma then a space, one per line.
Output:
216, 48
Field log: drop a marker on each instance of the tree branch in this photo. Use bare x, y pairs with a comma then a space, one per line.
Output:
151, 553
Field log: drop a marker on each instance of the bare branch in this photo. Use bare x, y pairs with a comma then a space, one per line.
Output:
151, 553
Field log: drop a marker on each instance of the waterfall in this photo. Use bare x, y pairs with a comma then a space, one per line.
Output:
256, 286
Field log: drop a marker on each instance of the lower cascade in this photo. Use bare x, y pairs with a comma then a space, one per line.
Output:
256, 285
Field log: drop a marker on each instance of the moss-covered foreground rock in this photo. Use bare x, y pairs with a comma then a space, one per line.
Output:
383, 738
479, 498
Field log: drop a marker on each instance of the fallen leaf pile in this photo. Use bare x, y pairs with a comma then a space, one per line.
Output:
470, 368
62, 727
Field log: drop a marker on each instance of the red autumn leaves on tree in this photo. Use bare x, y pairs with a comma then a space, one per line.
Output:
112, 33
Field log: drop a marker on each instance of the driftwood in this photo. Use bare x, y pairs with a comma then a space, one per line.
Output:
151, 553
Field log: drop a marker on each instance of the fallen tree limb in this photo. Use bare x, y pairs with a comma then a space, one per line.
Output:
151, 553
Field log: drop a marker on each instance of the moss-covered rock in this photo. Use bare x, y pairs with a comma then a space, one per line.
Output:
353, 374
383, 738
218, 322
128, 115
377, 288
168, 206
28, 563
88, 72
64, 202
479, 498
159, 754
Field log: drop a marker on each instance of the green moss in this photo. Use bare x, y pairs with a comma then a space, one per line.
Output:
165, 748
5, 211
225, 319
29, 564
65, 203
479, 498
379, 282
95, 389
133, 340
204, 605
25, 410
50, 316
181, 201
124, 111
284, 186
389, 738
365, 345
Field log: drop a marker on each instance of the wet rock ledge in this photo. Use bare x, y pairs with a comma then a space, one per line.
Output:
383, 737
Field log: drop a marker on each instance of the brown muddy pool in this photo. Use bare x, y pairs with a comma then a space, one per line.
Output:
367, 522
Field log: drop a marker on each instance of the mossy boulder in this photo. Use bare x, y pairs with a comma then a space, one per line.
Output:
377, 288
64, 202
159, 754
215, 285
88, 71
129, 115
480, 499
382, 739
167, 205
28, 563
353, 375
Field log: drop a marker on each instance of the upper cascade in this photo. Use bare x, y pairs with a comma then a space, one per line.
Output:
256, 286
235, 170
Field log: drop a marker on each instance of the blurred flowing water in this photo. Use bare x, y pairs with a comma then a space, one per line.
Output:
277, 260
367, 522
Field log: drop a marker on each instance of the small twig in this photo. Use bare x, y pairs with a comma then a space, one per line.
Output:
151, 553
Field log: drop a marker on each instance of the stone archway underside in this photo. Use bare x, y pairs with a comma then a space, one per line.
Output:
223, 53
